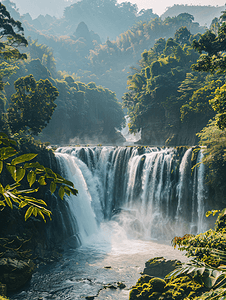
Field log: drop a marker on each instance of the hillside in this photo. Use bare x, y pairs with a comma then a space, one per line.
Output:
202, 14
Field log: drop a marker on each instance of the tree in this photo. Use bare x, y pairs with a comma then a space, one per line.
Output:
11, 37
214, 61
32, 105
26, 178
182, 35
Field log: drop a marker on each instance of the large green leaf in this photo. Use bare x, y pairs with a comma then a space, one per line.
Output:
20, 173
22, 158
52, 187
61, 192
23, 204
31, 178
29, 212
41, 180
34, 165
12, 171
8, 201
2, 190
7, 152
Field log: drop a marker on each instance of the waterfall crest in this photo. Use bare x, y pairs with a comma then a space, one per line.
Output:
151, 192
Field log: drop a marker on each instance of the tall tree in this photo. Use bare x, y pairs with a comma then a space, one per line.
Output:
212, 46
32, 105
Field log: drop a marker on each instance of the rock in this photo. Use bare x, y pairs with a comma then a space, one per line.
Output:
160, 267
144, 279
15, 273
121, 285
157, 284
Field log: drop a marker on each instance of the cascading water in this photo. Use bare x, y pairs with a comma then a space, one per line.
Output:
128, 198
151, 192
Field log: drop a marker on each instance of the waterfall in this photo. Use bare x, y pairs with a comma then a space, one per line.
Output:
81, 205
151, 192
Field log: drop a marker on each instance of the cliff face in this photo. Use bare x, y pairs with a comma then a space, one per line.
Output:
162, 131
40, 238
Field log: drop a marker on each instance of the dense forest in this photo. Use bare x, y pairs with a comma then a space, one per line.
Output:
81, 48
202, 14
166, 97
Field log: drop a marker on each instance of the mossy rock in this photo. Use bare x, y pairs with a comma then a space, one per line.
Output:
157, 284
181, 287
155, 296
15, 273
147, 286
135, 292
144, 279
160, 267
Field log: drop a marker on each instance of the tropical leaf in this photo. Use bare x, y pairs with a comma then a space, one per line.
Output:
34, 165
22, 158
12, 171
23, 204
8, 201
29, 212
1, 166
2, 190
20, 173
7, 152
41, 180
52, 187
31, 178
41, 214
61, 192
2, 203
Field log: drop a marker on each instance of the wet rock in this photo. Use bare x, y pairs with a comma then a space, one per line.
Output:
160, 267
157, 284
15, 273
121, 285
110, 286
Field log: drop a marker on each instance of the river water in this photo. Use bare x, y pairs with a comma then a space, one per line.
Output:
95, 268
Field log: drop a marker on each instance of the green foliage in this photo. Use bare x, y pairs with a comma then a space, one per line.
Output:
26, 178
83, 110
208, 264
214, 140
174, 288
11, 38
213, 60
219, 105
32, 106
159, 88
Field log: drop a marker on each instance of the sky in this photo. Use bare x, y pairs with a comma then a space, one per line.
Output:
159, 6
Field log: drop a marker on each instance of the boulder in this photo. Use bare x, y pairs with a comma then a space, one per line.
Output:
160, 267
15, 273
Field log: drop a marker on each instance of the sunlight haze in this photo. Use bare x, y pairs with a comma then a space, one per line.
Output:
160, 6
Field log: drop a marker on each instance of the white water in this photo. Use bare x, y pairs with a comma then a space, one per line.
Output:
126, 212
131, 138
152, 191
